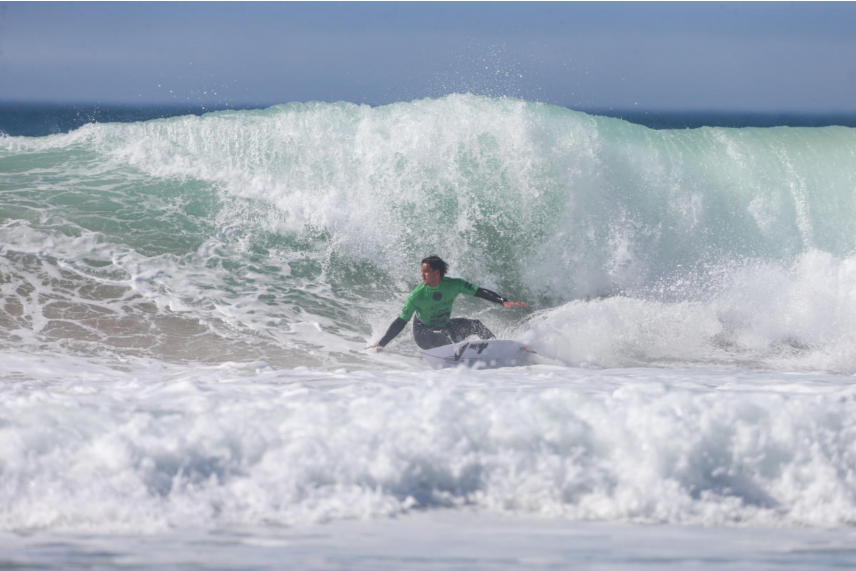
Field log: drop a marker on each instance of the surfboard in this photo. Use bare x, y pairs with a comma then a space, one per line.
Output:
490, 354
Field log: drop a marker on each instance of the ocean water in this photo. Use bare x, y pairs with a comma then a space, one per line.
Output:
186, 301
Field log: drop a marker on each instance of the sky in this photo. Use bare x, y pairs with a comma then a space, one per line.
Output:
731, 56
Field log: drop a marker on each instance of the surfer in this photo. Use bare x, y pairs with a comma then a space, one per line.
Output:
432, 302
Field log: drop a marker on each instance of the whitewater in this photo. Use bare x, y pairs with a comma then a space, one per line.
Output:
186, 304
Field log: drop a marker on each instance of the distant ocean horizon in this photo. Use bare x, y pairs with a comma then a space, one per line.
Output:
23, 119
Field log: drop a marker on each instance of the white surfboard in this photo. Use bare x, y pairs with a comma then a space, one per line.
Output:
485, 354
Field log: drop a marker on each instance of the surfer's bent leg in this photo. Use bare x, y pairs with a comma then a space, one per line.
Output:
461, 328
428, 338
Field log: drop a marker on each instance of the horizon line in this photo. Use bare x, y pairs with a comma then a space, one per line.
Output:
222, 106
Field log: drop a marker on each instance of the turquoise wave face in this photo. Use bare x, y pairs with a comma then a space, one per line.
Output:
199, 237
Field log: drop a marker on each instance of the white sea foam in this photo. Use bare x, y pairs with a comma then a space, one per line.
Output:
797, 317
156, 446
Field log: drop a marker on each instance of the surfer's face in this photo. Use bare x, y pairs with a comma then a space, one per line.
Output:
430, 277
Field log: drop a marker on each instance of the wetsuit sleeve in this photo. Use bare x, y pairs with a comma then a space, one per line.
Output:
466, 287
489, 295
393, 330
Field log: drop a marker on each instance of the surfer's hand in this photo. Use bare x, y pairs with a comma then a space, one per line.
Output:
510, 304
375, 346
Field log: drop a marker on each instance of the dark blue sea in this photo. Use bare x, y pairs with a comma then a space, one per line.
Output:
40, 119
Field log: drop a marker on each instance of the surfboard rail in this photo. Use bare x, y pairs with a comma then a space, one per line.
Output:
482, 353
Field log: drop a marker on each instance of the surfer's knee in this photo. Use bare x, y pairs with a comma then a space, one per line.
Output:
482, 331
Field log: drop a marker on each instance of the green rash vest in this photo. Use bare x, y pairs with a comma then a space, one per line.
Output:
433, 305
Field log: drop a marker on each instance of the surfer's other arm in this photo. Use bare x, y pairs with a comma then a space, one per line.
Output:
394, 329
496, 298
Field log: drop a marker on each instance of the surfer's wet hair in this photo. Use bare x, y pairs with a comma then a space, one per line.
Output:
437, 264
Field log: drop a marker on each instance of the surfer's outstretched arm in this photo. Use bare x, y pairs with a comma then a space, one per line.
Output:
394, 329
496, 298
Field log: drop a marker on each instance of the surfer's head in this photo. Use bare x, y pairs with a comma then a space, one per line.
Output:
433, 270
